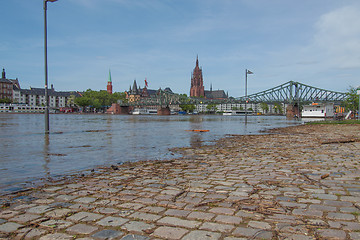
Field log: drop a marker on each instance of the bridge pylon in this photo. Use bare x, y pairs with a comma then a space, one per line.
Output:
293, 110
163, 110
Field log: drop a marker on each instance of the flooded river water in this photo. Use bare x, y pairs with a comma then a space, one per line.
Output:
82, 142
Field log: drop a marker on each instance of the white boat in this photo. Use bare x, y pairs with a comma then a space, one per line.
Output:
236, 113
318, 110
144, 111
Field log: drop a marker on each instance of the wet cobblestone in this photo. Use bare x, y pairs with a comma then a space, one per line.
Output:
297, 183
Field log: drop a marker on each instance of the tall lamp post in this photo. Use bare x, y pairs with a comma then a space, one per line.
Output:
246, 100
46, 69
358, 93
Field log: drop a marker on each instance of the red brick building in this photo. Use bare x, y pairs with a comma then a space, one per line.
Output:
6, 86
197, 87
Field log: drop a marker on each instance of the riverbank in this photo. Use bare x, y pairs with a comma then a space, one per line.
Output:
296, 183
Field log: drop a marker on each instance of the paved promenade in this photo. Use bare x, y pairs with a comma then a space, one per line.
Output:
298, 183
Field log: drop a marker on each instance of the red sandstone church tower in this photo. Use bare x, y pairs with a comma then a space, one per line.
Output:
197, 87
109, 84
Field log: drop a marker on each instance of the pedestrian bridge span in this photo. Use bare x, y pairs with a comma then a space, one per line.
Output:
288, 93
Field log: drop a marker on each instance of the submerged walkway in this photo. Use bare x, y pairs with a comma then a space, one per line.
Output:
298, 183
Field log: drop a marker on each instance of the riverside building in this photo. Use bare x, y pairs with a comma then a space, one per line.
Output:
6, 86
36, 97
10, 89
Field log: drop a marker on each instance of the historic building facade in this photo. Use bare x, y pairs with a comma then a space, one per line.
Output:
136, 93
7, 85
36, 97
197, 84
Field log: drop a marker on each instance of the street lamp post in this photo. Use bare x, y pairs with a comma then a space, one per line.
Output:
46, 69
246, 100
358, 93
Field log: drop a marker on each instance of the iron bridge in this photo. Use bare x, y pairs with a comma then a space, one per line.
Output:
287, 93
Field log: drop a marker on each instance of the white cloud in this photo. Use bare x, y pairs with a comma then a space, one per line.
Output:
338, 36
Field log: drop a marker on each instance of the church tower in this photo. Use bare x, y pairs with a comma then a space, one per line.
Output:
109, 84
197, 87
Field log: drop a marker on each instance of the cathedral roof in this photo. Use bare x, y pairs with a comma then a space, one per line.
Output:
217, 94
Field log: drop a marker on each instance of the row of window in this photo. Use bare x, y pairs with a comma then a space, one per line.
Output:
5, 91
6, 86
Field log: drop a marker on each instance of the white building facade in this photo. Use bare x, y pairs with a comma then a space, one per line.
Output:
36, 97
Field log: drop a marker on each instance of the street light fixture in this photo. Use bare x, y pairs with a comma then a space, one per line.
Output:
246, 100
46, 69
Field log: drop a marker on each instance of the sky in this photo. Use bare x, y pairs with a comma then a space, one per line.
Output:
315, 42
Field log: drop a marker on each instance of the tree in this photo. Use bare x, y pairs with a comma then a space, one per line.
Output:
5, 100
278, 108
99, 100
264, 107
187, 107
118, 96
83, 101
351, 103
211, 107
71, 101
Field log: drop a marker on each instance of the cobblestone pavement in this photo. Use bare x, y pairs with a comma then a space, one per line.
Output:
298, 183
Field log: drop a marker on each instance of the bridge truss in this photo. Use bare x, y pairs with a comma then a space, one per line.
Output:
291, 92
287, 93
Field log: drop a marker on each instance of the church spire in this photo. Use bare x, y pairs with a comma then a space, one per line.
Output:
109, 84
135, 89
109, 75
197, 60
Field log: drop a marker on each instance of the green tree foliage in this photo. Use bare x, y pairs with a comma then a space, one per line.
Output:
5, 100
351, 102
278, 108
211, 108
71, 101
99, 99
264, 107
187, 107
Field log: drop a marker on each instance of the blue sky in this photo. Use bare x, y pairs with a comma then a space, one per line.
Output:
316, 42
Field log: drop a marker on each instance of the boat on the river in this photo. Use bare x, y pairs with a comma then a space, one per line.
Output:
318, 110
144, 111
236, 113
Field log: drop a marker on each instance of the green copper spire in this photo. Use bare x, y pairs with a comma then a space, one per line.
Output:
109, 76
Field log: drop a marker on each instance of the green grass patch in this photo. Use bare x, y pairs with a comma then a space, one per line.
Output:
350, 121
